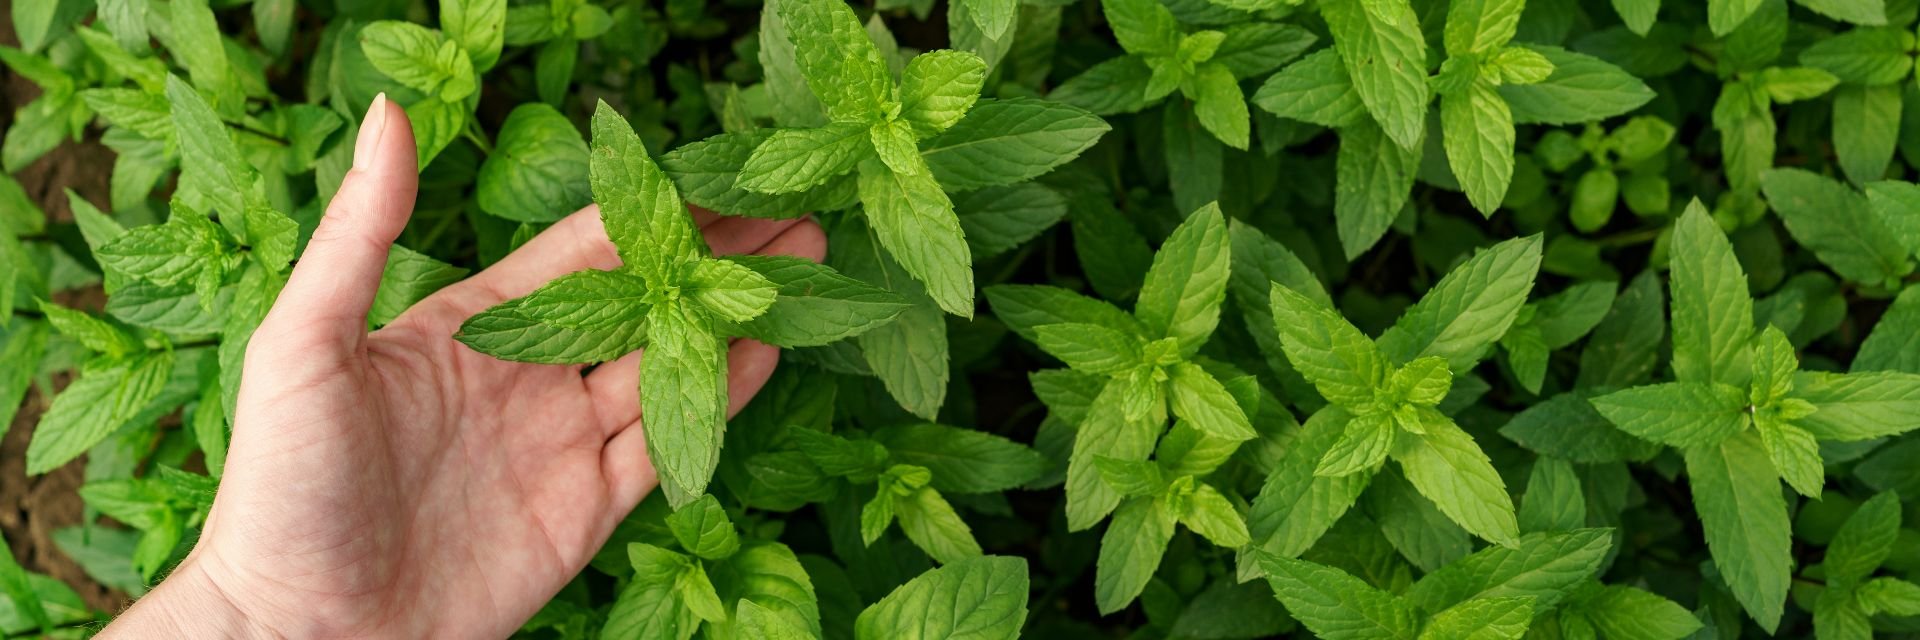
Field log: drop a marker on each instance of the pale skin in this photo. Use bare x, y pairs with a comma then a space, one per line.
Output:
397, 483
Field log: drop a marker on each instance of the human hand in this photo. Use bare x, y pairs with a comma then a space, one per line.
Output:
397, 483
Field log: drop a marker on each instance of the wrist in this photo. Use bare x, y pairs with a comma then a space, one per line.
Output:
189, 603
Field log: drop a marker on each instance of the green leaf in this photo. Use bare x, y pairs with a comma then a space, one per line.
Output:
841, 65
15, 583
505, 332
1330, 352
982, 597
1316, 90
1025, 308
1385, 56
1861, 115
1108, 431
795, 160
703, 529
893, 144
93, 333
1897, 204
1480, 26
1200, 400
1554, 499
1209, 514
1712, 312
1090, 347
1868, 12
1295, 507
1004, 141
1478, 132
1221, 107
1864, 541
478, 26
649, 606
1482, 619
1373, 178
209, 162
912, 217
1117, 85
410, 276
730, 290
756, 621
1251, 50
420, 58
1465, 313
1836, 224
99, 402
1859, 406
998, 219
1184, 288
1891, 596
816, 305
538, 169
588, 301
1631, 614
938, 88
1726, 15
1679, 414
638, 205
1542, 566
1737, 493
1335, 605
1363, 447
1450, 469
1894, 342
933, 526
1794, 453
1869, 56
683, 398
1581, 88
963, 461
1142, 26
707, 171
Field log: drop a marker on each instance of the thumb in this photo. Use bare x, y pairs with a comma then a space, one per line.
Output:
334, 282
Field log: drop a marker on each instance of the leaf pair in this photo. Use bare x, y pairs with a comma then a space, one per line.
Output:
1143, 525
670, 296
1852, 594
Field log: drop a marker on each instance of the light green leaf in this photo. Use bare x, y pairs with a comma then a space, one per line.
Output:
1542, 566
933, 526
1184, 288
1863, 541
683, 398
1200, 400
840, 63
816, 305
1712, 312
1363, 447
1679, 414
1450, 469
1004, 141
703, 529
1737, 494
538, 169
1480, 26
1090, 347
912, 217
983, 597
1477, 128
1859, 406
1130, 552
1330, 352
1581, 88
1220, 106
638, 205
1335, 605
1385, 56
1373, 178
100, 401
1836, 224
1482, 619
1316, 90
938, 88
588, 301
1465, 313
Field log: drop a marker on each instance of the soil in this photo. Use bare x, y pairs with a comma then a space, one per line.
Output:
31, 509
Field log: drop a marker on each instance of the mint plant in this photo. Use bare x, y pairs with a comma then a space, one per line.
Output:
673, 298
1745, 416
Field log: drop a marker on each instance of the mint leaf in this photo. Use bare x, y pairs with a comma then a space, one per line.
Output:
1130, 552
1482, 619
986, 596
97, 403
1183, 290
538, 169
938, 88
815, 305
1335, 605
1385, 56
1712, 313
1315, 89
639, 206
1736, 491
1679, 414
683, 398
1450, 469
1004, 141
1468, 310
794, 160
1478, 130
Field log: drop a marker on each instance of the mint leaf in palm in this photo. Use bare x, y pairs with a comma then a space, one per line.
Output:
672, 297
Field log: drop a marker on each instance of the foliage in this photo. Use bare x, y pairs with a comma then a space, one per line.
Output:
1351, 318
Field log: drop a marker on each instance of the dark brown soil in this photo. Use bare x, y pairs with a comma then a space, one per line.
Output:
31, 509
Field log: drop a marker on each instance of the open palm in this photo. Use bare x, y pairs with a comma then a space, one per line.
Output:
375, 477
